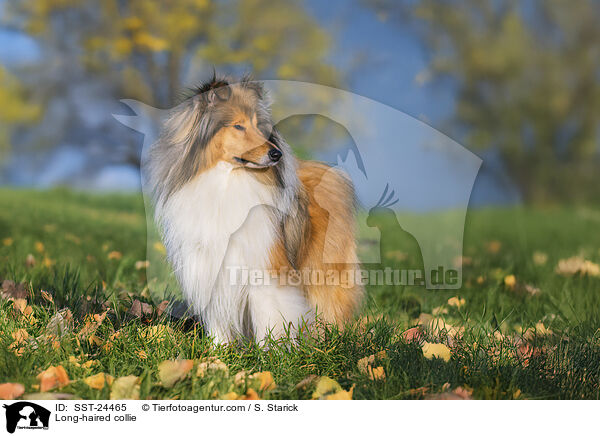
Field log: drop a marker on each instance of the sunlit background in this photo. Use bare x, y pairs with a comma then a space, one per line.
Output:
515, 82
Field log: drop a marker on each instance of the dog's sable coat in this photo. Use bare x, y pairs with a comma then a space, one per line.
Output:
230, 194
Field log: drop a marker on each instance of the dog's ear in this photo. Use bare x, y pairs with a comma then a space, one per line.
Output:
217, 94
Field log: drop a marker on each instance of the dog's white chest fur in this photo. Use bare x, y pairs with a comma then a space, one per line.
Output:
220, 222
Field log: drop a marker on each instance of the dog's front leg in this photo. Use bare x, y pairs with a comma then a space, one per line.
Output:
277, 311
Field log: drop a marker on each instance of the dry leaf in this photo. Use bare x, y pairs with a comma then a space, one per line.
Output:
493, 247
365, 366
577, 265
266, 380
13, 291
160, 309
52, 378
60, 323
157, 333
98, 381
10, 391
540, 258
329, 389
30, 261
456, 302
510, 281
125, 388
142, 264
212, 364
436, 350
172, 371
414, 334
250, 395
139, 309
115, 255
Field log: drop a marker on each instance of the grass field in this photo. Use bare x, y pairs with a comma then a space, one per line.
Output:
518, 329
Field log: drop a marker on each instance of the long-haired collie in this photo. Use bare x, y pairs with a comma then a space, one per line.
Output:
233, 202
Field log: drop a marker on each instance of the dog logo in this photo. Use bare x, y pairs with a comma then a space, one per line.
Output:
26, 415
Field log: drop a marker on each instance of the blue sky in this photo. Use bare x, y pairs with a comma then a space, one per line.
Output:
393, 59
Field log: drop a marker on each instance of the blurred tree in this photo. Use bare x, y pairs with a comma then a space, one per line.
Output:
16, 109
527, 77
147, 49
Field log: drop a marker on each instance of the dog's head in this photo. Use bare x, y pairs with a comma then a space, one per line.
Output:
219, 122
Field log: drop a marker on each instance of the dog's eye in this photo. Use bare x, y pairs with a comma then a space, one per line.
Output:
239, 127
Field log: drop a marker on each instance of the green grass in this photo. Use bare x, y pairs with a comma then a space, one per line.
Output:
492, 358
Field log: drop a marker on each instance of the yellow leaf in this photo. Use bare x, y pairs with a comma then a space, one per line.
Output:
510, 281
52, 378
172, 371
341, 395
115, 255
125, 388
160, 247
96, 381
266, 380
329, 389
436, 350
211, 364
456, 302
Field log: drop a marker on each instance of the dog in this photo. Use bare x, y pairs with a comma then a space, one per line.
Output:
230, 197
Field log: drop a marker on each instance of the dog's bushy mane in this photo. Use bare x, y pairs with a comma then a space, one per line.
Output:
178, 155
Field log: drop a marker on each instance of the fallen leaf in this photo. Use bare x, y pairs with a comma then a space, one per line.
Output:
250, 395
98, 381
230, 396
115, 255
456, 302
30, 261
414, 334
47, 296
13, 291
577, 265
91, 325
139, 309
366, 366
20, 337
510, 281
125, 388
142, 264
493, 247
440, 310
10, 391
540, 258
436, 350
160, 248
266, 380
157, 333
172, 371
60, 323
52, 378
212, 364
329, 389
307, 382
160, 309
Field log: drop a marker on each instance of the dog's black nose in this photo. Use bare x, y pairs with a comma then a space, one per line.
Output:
274, 154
